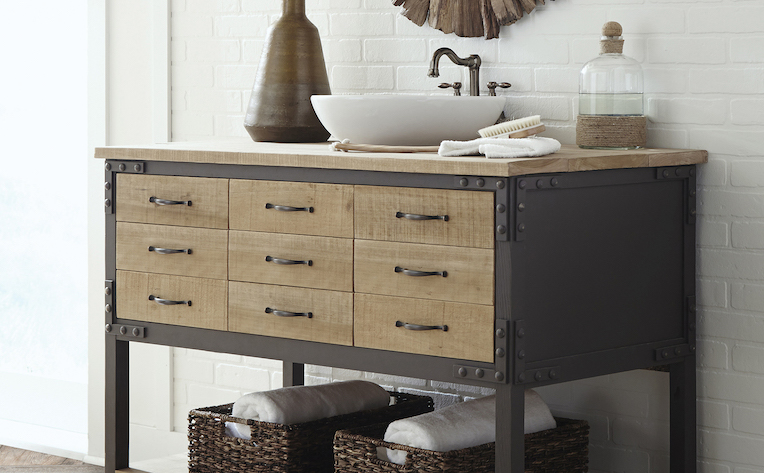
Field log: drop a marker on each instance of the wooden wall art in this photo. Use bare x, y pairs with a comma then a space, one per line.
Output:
469, 18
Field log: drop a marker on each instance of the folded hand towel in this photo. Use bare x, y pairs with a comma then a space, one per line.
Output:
501, 147
462, 425
297, 404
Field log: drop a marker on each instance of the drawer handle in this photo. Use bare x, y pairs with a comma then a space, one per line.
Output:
412, 272
286, 208
158, 201
271, 259
284, 313
398, 323
421, 217
168, 302
168, 251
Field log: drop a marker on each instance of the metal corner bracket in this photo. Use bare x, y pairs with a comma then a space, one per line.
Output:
499, 373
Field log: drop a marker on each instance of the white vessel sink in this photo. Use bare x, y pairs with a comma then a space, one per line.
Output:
406, 119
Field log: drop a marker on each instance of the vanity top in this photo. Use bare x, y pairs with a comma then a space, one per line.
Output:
319, 155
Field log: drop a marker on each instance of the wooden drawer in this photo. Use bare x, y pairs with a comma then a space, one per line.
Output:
291, 260
469, 335
264, 206
142, 247
390, 213
137, 196
138, 294
395, 269
251, 305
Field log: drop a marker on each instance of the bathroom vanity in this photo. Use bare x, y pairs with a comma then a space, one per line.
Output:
510, 273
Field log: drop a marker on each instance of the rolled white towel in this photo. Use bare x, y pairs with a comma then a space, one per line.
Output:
533, 146
463, 425
298, 404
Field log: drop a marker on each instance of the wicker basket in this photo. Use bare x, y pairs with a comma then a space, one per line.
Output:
305, 447
563, 449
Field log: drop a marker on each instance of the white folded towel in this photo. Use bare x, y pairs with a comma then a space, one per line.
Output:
463, 425
501, 147
298, 404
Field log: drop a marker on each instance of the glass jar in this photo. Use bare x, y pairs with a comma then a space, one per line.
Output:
610, 101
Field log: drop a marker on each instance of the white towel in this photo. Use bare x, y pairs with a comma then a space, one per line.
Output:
297, 404
501, 147
462, 425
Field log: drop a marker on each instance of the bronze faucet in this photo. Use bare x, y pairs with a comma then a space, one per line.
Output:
473, 63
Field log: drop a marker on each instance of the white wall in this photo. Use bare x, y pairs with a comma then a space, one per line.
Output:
43, 199
704, 67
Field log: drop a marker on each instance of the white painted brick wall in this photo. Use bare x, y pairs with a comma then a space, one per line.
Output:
704, 72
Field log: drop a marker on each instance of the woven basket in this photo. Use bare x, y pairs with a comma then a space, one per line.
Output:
563, 449
305, 447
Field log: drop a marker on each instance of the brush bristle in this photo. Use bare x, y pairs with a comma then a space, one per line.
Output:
511, 126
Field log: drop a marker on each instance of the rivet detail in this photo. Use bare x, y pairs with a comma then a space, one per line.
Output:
500, 184
464, 182
501, 208
479, 373
500, 352
480, 182
122, 167
462, 371
499, 376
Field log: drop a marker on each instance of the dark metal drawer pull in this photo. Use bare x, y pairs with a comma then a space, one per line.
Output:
167, 302
271, 259
421, 217
167, 251
412, 272
284, 313
398, 323
286, 208
158, 201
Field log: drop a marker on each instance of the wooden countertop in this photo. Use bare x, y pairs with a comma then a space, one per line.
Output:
318, 155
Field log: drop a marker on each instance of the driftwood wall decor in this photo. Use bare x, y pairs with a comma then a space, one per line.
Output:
468, 18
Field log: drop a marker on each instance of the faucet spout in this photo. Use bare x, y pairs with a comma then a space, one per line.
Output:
472, 62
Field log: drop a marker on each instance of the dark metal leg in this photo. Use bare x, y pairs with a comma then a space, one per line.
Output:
683, 429
510, 426
294, 374
117, 404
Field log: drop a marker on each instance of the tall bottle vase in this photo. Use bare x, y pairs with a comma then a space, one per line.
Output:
291, 69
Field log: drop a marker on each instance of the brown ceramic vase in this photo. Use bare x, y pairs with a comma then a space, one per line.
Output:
291, 70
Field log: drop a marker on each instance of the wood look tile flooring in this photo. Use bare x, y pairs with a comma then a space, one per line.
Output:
10, 456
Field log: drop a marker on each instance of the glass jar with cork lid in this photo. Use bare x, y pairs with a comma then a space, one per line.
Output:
610, 101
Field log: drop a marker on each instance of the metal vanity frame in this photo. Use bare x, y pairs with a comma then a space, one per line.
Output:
594, 274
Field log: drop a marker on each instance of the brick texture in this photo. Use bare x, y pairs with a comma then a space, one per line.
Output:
704, 74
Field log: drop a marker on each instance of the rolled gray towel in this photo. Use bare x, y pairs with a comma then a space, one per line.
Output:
463, 425
298, 404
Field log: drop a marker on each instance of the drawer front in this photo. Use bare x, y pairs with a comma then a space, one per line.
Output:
254, 308
400, 214
291, 260
150, 199
269, 206
469, 335
405, 269
151, 248
139, 296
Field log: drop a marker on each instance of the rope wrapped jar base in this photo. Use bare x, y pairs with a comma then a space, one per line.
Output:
604, 131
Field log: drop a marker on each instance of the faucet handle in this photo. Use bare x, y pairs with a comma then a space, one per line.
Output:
456, 85
492, 87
